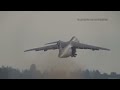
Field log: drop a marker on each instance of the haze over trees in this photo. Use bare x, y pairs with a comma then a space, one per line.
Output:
33, 73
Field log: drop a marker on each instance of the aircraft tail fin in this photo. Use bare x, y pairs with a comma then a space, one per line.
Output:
74, 39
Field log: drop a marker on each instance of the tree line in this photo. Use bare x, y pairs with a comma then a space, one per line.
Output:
33, 73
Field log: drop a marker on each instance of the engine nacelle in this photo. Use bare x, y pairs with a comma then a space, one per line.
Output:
45, 50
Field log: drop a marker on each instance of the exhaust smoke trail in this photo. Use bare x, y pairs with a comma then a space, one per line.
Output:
57, 67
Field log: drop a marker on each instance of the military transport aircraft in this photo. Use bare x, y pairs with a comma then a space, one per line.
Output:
67, 49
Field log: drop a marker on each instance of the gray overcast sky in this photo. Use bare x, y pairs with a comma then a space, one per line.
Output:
28, 29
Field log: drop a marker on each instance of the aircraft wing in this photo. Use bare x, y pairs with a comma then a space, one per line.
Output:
85, 46
45, 48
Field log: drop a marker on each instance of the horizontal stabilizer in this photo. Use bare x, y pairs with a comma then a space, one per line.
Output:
51, 42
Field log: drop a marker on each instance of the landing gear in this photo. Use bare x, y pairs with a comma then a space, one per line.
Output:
73, 52
74, 55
